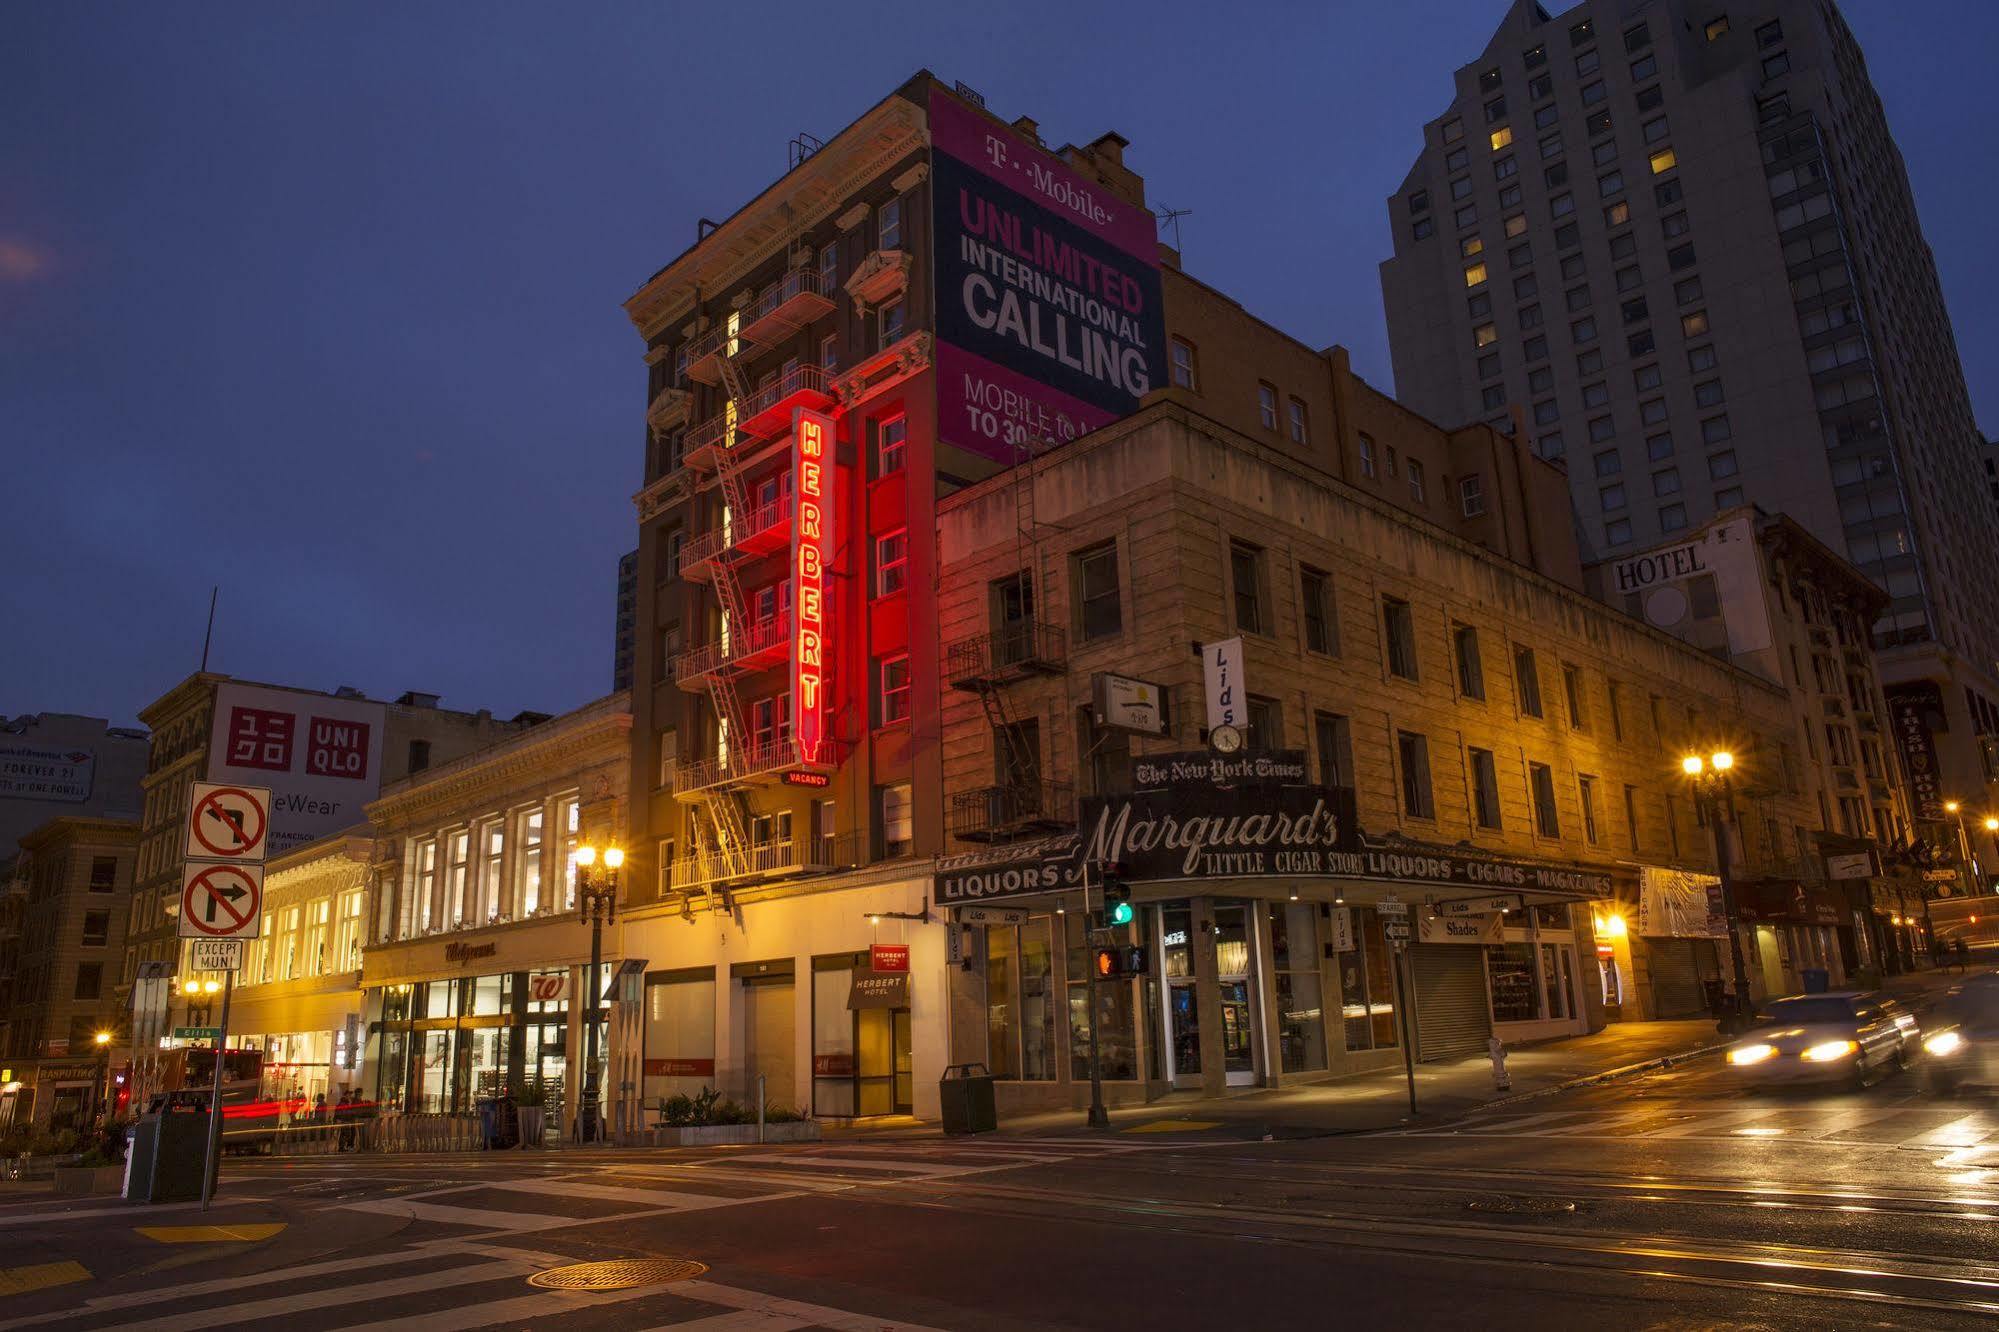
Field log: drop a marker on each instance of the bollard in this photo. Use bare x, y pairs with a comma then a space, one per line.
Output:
760, 1107
1497, 1049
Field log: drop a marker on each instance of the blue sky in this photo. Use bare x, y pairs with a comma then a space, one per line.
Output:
322, 302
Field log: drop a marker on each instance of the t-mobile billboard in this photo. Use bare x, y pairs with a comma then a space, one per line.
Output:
320, 756
1048, 308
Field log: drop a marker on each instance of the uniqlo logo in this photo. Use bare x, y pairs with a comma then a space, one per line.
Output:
260, 739
337, 748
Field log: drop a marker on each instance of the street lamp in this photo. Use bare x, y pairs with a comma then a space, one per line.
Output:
1712, 789
596, 903
103, 1040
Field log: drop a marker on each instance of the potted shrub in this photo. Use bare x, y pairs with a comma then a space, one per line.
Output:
711, 1120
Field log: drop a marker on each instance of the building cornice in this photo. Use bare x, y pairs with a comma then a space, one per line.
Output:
775, 219
604, 725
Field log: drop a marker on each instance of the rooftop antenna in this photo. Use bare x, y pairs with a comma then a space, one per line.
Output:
1171, 217
209, 636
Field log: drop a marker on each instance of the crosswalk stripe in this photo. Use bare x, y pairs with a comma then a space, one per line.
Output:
832, 1161
1514, 1123
742, 1320
569, 1188
456, 1216
329, 1297
194, 1289
814, 1315
1965, 1131
701, 1171
514, 1309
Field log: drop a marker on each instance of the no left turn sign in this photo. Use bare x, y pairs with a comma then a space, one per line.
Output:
221, 902
227, 822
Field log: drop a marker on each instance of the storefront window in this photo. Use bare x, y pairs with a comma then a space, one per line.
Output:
1367, 986
1510, 969
679, 1035
1117, 1036
1301, 1018
833, 1091
1177, 947
1020, 1013
489, 995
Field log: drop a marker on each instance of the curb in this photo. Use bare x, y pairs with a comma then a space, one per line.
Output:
1610, 1075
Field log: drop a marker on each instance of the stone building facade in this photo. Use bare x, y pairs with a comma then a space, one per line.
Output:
1475, 708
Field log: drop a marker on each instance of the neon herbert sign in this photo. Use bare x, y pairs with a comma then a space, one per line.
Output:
811, 549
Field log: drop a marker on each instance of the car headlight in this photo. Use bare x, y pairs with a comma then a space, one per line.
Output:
1751, 1054
1825, 1052
1943, 1043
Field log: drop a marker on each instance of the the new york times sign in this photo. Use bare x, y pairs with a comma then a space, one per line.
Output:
1194, 829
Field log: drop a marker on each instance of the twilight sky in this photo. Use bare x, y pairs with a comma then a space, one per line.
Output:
321, 302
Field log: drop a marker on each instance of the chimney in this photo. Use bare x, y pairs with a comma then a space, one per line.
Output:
1028, 126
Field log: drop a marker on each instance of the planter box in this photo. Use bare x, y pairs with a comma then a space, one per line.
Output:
730, 1135
89, 1179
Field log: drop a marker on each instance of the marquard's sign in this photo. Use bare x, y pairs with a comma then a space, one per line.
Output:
1194, 830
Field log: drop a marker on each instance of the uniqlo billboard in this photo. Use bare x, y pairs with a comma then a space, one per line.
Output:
321, 757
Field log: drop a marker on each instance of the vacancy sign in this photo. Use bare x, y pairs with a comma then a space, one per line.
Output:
221, 901
228, 822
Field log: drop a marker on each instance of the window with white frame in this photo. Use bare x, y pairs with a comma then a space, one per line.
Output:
891, 562
891, 441
894, 700
897, 826
569, 818
458, 876
347, 931
492, 852
888, 232
1471, 495
889, 323
770, 720
423, 889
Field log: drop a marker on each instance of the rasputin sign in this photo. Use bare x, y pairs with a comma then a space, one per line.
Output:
1193, 829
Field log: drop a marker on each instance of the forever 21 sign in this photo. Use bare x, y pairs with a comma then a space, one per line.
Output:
1198, 831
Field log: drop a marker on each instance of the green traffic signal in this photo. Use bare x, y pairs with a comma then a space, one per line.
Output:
1118, 913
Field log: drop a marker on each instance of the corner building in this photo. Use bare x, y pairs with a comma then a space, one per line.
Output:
1493, 741
928, 300
1675, 241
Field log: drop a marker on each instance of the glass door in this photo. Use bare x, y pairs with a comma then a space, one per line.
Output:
1183, 1010
1235, 971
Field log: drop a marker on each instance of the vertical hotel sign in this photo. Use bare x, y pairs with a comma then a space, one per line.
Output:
1915, 712
1049, 321
811, 550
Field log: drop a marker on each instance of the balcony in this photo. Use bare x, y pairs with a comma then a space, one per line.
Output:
767, 411
705, 353
1021, 809
786, 305
767, 762
703, 444
1014, 652
760, 645
767, 528
769, 860
668, 410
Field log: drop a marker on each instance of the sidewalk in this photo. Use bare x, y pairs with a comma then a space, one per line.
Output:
1367, 1101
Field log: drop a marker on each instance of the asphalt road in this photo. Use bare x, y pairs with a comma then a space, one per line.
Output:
1677, 1200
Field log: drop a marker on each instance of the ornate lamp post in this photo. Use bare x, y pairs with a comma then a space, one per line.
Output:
596, 903
103, 1041
1967, 880
1712, 788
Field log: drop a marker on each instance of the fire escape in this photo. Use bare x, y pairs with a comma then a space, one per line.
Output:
751, 430
1020, 803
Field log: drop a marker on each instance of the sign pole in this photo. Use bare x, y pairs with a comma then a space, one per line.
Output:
1099, 1117
1402, 1012
209, 1160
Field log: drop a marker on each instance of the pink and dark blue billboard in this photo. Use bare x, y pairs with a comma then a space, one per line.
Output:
1048, 294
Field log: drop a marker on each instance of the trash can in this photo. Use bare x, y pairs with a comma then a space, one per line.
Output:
1817, 979
167, 1155
965, 1096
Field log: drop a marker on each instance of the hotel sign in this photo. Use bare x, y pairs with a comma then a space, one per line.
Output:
811, 552
1915, 713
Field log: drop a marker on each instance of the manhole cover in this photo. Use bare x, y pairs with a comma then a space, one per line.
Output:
1521, 1206
619, 1274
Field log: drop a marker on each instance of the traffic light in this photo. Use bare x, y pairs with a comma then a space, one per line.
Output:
1118, 962
1117, 895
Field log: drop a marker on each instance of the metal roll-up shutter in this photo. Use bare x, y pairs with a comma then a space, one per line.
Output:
1676, 979
1452, 1016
